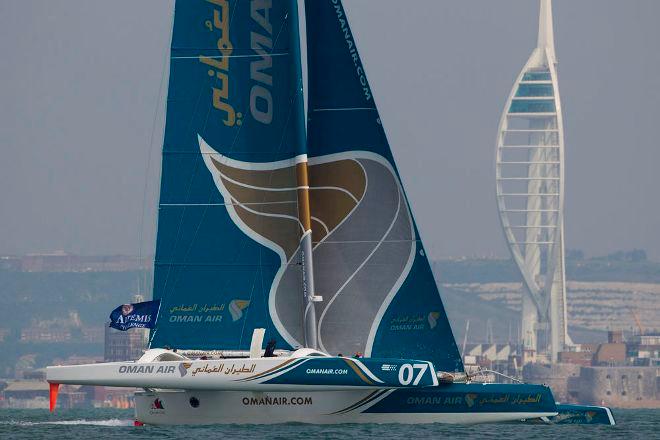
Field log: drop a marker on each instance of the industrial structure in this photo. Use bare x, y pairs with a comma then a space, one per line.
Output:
530, 195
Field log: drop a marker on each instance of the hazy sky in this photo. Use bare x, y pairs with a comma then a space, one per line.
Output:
80, 91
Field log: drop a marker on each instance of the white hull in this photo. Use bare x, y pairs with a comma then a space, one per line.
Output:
316, 407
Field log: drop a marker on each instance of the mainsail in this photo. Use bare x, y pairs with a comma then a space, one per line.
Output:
255, 221
228, 226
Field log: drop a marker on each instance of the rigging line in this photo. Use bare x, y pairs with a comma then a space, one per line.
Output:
269, 214
270, 325
178, 231
279, 32
286, 189
153, 275
369, 241
261, 188
206, 120
247, 309
344, 109
202, 85
270, 265
255, 55
148, 167
288, 202
292, 106
199, 224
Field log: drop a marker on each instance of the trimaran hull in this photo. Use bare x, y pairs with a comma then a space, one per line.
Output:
307, 387
323, 407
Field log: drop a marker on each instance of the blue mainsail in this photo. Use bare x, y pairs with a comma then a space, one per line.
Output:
227, 224
379, 293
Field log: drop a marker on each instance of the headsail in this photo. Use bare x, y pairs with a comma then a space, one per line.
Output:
379, 293
229, 229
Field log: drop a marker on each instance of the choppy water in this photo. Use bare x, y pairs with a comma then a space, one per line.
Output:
103, 423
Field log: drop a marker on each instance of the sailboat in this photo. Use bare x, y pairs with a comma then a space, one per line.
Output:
293, 228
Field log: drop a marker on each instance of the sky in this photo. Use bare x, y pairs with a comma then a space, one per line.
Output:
82, 102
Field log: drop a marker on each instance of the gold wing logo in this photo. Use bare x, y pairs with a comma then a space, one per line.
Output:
433, 319
362, 236
236, 308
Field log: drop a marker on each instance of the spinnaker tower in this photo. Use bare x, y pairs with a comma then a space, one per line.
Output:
530, 194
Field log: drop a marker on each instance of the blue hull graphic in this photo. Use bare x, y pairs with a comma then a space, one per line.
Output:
469, 398
582, 415
451, 403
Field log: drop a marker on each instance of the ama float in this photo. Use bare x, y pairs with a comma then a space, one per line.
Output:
293, 227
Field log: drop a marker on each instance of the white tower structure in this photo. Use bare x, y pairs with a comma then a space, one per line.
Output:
530, 194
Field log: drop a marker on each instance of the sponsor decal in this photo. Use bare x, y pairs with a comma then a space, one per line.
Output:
412, 374
138, 315
474, 400
157, 407
433, 319
157, 404
146, 369
261, 42
326, 371
236, 308
276, 401
220, 368
346, 173
359, 70
524, 399
196, 313
183, 368
408, 323
218, 66
471, 399
435, 400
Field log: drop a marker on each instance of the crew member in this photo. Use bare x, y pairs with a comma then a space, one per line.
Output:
270, 349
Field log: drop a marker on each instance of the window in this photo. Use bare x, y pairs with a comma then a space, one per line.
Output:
532, 106
537, 76
533, 90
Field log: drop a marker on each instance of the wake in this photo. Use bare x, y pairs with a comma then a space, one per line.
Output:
110, 422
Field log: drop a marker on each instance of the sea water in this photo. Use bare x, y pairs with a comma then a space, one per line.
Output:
96, 424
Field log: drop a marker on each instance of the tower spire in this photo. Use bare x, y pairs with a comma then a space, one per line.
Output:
546, 33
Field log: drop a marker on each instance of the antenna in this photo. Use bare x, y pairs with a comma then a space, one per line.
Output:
546, 38
465, 337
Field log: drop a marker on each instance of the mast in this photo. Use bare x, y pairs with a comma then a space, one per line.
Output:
306, 256
310, 330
